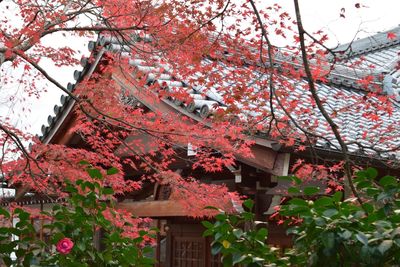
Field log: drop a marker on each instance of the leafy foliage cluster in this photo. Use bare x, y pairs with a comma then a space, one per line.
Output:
238, 246
333, 231
79, 219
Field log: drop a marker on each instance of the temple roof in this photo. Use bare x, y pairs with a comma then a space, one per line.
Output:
375, 57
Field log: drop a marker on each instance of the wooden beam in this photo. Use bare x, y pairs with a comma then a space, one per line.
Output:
140, 143
264, 156
281, 165
157, 208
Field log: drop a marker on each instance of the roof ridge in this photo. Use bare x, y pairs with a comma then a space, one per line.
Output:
369, 44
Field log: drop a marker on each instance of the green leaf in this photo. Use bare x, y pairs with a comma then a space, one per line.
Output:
372, 191
7, 261
238, 258
365, 252
297, 180
363, 184
81, 246
138, 239
71, 189
94, 173
114, 237
285, 178
395, 232
59, 216
216, 248
338, 196
362, 238
323, 202
108, 191
227, 261
293, 190
147, 262
27, 260
7, 248
298, 202
248, 203
237, 233
88, 185
143, 232
328, 239
4, 212
208, 232
361, 175
368, 207
320, 221
84, 162
383, 224
383, 196
371, 173
207, 224
112, 171
248, 216
346, 234
57, 237
148, 250
330, 212
311, 190
220, 217
385, 246
388, 180
97, 185
23, 216
262, 234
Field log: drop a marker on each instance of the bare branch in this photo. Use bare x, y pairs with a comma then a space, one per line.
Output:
348, 181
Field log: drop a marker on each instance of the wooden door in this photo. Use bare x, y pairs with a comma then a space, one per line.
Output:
188, 251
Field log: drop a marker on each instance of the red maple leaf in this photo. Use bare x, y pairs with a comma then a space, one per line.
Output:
391, 36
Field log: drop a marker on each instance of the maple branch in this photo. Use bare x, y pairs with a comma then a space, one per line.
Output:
122, 122
17, 141
3, 154
271, 62
95, 29
155, 169
349, 184
320, 43
45, 74
271, 83
219, 14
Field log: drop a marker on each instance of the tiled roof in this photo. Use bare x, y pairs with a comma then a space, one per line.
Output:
376, 55
341, 95
371, 44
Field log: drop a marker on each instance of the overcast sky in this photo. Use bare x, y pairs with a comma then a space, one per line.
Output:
372, 16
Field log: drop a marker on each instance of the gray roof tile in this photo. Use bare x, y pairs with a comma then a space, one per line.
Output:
341, 96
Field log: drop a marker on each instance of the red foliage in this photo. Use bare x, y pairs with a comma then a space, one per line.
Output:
205, 44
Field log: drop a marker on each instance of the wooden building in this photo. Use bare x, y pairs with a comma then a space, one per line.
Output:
180, 241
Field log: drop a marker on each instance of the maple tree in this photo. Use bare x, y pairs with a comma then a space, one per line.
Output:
216, 47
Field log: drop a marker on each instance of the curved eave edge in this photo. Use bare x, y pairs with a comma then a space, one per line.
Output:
369, 44
87, 71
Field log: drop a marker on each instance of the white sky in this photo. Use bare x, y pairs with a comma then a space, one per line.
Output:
373, 16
